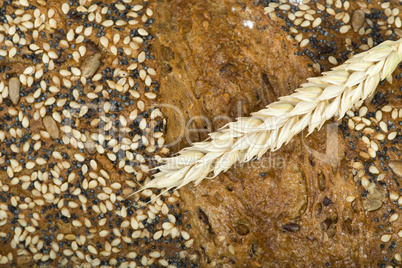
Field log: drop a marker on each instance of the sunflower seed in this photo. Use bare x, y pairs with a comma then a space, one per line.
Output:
14, 87
51, 126
89, 68
396, 167
358, 19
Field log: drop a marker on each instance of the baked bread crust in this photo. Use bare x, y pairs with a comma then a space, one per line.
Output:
311, 203
303, 205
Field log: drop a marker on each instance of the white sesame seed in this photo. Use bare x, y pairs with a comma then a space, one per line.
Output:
88, 31
92, 249
393, 217
365, 182
167, 225
137, 7
344, 29
163, 262
383, 126
366, 121
103, 233
185, 235
398, 22
371, 152
52, 23
25, 122
141, 105
305, 24
40, 161
374, 170
360, 126
316, 21
79, 39
104, 41
379, 136
142, 32
76, 71
112, 157
385, 238
148, 81
398, 257
175, 232
65, 72
386, 109
394, 114
65, 8
346, 18
76, 223
28, 24
91, 16
141, 57
107, 23
374, 145
284, 7
331, 11
309, 17
79, 157
158, 235
30, 165
393, 196
12, 52
363, 111
381, 177
351, 124
332, 60
392, 135
154, 254
57, 117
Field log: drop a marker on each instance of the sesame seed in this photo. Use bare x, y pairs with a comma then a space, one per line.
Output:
394, 217
65, 7
332, 60
79, 157
392, 135
104, 41
374, 170
385, 238
344, 29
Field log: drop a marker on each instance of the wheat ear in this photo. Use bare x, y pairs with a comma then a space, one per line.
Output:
321, 98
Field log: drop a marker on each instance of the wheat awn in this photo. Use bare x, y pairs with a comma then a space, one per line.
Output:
315, 102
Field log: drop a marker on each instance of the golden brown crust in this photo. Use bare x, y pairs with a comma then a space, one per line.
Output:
214, 66
300, 206
308, 204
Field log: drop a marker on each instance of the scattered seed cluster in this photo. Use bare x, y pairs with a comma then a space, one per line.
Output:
378, 169
77, 134
328, 31
380, 133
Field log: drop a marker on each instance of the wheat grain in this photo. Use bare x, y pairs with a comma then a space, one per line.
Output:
321, 98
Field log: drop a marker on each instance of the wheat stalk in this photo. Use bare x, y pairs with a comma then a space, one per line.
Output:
321, 98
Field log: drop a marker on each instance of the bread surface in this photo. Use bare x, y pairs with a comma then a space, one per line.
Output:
87, 90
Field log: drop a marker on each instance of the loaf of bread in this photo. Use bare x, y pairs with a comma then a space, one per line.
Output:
95, 93
326, 200
80, 130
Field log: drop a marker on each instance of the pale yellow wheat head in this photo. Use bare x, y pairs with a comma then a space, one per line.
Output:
321, 98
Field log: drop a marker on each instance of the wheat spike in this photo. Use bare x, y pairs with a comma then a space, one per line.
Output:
321, 98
